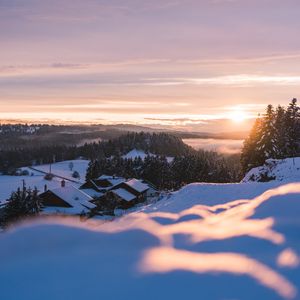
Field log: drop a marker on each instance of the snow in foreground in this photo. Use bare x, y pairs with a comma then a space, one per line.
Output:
180, 248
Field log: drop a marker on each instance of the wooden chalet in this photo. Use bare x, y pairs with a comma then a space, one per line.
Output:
67, 200
98, 187
128, 193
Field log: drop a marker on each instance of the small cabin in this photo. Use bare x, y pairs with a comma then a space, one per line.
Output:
99, 186
118, 198
108, 191
67, 200
128, 193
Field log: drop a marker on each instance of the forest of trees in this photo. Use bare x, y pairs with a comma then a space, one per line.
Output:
156, 143
188, 165
276, 135
196, 166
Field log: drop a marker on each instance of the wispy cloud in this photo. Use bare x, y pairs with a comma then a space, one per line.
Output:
237, 80
241, 59
57, 68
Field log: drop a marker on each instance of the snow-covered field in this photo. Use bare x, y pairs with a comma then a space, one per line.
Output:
206, 241
135, 153
63, 168
8, 184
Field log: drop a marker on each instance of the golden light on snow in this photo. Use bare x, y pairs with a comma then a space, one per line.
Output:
164, 259
209, 223
288, 258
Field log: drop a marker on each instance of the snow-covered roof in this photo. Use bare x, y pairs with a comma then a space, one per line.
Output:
75, 197
127, 196
92, 193
137, 185
113, 180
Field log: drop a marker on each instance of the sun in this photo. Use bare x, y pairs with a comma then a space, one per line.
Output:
238, 116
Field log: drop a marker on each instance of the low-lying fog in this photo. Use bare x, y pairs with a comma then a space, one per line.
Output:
218, 145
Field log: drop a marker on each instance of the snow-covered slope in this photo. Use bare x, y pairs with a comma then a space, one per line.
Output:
63, 168
276, 169
203, 242
135, 153
208, 194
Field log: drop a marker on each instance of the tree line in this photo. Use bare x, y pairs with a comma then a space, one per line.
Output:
275, 134
170, 174
156, 143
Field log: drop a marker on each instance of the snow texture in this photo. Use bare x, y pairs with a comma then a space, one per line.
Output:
137, 185
63, 169
276, 169
206, 241
125, 195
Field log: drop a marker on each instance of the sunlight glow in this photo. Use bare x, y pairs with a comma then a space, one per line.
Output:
238, 116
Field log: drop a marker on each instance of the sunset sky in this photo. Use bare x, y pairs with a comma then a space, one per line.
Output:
184, 63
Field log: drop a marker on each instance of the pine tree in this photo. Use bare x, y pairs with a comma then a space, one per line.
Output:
293, 133
276, 135
280, 133
22, 203
93, 170
266, 145
251, 156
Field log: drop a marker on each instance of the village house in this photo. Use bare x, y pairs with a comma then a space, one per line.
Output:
127, 194
66, 200
118, 191
98, 187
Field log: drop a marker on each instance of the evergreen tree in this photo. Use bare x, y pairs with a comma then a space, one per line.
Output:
251, 155
266, 145
293, 128
22, 203
276, 135
93, 170
281, 141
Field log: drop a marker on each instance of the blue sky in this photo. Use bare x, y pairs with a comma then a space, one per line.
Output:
178, 63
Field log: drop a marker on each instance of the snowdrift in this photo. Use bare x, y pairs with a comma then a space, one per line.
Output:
179, 248
275, 169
